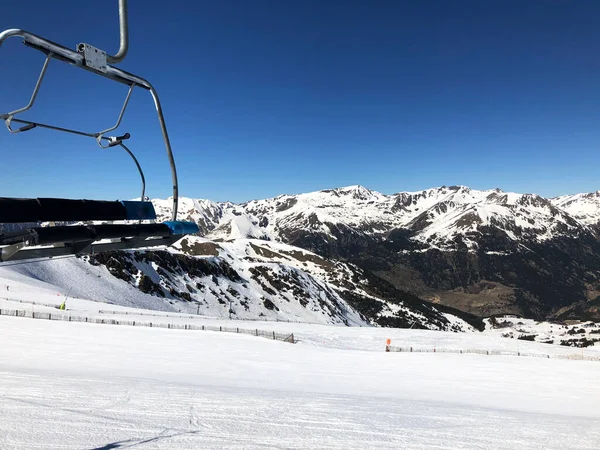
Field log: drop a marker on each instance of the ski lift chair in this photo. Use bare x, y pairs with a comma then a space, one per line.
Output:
134, 228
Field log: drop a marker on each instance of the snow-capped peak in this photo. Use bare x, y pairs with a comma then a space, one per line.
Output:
584, 207
433, 217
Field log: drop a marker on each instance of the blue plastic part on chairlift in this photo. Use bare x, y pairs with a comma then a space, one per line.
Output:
179, 228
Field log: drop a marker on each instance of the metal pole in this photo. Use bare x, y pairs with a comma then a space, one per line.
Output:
120, 118
35, 89
123, 35
163, 127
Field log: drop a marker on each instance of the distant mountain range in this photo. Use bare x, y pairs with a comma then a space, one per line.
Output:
483, 252
441, 258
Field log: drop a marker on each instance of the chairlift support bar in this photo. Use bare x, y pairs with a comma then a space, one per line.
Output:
21, 253
53, 50
35, 90
123, 35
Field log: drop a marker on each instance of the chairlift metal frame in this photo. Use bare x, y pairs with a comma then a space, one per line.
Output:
84, 240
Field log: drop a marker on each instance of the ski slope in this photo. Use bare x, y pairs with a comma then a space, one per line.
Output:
76, 385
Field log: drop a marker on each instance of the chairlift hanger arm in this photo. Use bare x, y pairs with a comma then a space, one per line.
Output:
9, 117
61, 53
123, 35
73, 57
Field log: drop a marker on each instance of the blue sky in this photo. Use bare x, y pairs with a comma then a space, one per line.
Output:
271, 97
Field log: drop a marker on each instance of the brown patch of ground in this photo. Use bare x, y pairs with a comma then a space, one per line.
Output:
591, 291
293, 254
303, 257
482, 299
200, 248
265, 252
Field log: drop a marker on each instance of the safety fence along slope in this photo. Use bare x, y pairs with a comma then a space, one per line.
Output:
69, 317
573, 356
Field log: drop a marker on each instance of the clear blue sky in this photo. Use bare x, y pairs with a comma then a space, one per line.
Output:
271, 97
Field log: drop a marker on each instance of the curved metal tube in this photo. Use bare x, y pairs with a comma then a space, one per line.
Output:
139, 169
123, 35
36, 89
120, 118
163, 127
76, 59
44, 45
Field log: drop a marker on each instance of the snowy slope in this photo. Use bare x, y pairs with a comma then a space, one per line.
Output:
583, 334
205, 213
584, 207
100, 386
533, 249
209, 287
245, 278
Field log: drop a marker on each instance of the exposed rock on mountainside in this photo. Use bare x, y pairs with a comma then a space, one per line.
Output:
265, 280
484, 252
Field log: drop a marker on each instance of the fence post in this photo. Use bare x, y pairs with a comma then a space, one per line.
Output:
49, 316
202, 327
273, 335
237, 330
134, 323
220, 328
257, 331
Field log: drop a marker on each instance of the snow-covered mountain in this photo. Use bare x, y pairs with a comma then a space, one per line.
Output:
486, 252
434, 218
583, 207
247, 279
352, 255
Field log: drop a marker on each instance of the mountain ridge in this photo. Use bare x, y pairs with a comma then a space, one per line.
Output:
435, 214
441, 244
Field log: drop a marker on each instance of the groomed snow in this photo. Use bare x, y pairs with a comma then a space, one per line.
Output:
67, 385
75, 385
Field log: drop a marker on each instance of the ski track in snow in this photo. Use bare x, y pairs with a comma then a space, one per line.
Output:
74, 385
85, 386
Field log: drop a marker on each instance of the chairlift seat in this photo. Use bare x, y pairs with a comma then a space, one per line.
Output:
79, 233
25, 210
84, 239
